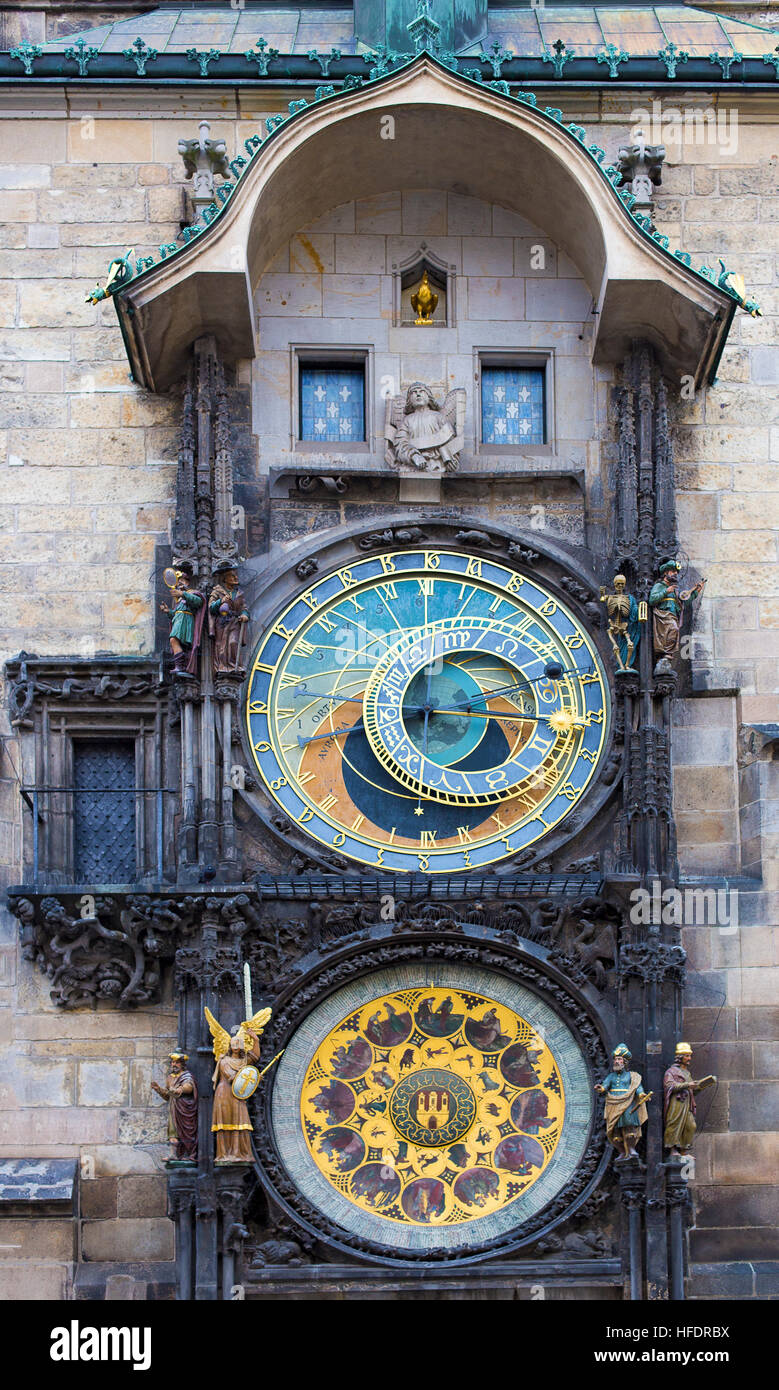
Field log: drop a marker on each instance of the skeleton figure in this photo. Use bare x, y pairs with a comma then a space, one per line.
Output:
623, 622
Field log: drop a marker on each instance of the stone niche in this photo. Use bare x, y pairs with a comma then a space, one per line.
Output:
335, 294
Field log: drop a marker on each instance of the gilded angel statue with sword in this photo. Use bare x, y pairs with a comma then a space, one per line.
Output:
235, 1079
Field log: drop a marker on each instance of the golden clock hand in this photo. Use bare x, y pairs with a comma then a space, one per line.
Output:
487, 695
331, 733
534, 718
350, 729
326, 695
481, 714
554, 674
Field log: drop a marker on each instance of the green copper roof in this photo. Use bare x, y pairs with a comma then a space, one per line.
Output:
521, 32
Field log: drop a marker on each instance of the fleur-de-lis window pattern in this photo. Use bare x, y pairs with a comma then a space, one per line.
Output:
512, 405
332, 403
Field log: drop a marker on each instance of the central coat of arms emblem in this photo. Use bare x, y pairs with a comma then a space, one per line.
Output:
432, 1107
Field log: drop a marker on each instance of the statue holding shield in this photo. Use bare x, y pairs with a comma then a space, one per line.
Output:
236, 1055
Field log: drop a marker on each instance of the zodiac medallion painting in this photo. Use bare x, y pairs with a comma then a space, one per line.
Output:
432, 1106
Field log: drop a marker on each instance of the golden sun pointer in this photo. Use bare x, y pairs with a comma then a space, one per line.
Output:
561, 721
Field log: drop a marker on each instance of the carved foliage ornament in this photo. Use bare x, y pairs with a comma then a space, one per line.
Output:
101, 948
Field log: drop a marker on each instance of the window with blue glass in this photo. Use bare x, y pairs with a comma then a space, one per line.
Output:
332, 402
513, 406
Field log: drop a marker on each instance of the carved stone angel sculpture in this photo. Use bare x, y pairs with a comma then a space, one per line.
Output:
421, 435
230, 1117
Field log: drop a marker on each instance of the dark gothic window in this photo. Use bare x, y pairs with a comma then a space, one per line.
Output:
104, 810
332, 401
513, 406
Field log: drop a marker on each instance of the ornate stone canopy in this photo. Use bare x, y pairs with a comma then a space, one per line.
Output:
488, 146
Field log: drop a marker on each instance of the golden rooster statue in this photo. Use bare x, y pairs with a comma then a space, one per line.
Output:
424, 302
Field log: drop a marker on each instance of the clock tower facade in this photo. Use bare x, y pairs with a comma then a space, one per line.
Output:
398, 830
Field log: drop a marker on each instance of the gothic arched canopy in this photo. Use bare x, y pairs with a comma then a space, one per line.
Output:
488, 146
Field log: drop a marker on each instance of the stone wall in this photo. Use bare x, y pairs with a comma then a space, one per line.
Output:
87, 464
513, 290
719, 199
714, 203
332, 285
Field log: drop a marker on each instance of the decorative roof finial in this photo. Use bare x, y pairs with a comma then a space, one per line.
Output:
203, 160
424, 30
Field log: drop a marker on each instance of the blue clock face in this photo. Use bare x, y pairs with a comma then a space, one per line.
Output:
400, 711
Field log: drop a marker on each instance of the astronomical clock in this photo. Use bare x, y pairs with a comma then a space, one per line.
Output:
426, 711
446, 1110
428, 715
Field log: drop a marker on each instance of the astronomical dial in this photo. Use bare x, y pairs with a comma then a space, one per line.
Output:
402, 711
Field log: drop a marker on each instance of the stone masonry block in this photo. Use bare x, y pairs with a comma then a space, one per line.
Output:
121, 1160
128, 1239
20, 207
102, 1083
765, 365
110, 141
743, 645
98, 1198
488, 255
744, 178
8, 295
381, 213
424, 213
340, 219
745, 1158
724, 1206
91, 176
37, 1239
41, 484
351, 296
360, 255
467, 216
747, 578
121, 485
714, 444
757, 1244
312, 253
749, 511
538, 259
755, 1107
46, 410
24, 344
493, 297
60, 1128
756, 478
150, 174
35, 1280
95, 410
290, 294
559, 300
57, 205
753, 986
709, 787
166, 204
144, 1196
